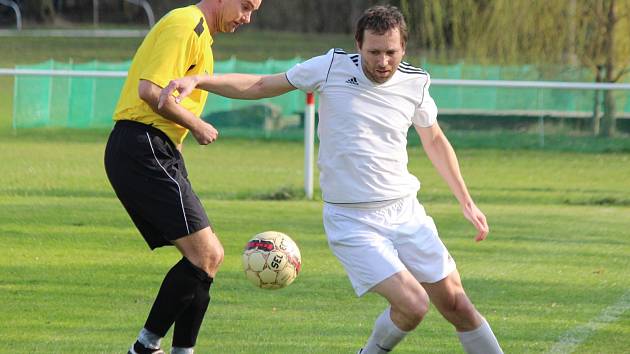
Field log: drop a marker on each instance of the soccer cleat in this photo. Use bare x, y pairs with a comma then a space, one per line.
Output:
138, 348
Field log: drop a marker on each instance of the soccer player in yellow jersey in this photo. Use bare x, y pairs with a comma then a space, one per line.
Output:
146, 169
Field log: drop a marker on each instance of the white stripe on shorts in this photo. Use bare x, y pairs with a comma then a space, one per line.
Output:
179, 190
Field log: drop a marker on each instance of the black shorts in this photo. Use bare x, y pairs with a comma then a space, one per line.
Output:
149, 177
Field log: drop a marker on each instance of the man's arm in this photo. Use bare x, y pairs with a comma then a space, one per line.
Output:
443, 157
203, 132
241, 86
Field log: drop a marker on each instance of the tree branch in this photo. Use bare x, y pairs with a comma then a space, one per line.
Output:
622, 73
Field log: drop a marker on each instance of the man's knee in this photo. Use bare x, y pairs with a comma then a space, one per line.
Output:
460, 304
214, 256
203, 249
411, 309
460, 311
210, 258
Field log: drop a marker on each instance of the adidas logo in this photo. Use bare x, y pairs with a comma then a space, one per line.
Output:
352, 81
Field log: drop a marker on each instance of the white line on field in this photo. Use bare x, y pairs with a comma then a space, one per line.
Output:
571, 339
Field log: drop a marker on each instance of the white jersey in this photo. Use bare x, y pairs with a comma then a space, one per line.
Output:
363, 126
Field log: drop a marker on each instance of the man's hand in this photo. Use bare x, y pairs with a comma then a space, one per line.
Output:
183, 86
476, 217
204, 132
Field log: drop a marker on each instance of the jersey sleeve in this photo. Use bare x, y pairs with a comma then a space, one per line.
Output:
172, 54
426, 112
311, 74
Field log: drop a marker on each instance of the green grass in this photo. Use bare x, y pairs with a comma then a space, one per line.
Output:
75, 276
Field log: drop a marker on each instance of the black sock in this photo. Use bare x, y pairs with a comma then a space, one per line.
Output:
177, 293
189, 322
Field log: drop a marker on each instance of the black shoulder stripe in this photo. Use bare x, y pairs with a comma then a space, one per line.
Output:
339, 51
199, 28
412, 70
416, 72
410, 67
355, 59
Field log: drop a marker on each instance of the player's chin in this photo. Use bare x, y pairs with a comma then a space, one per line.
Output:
229, 27
234, 27
384, 75
381, 79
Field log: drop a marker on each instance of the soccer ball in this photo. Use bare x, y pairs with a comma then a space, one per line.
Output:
271, 260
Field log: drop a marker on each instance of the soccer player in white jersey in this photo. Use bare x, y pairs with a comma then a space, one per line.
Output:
374, 223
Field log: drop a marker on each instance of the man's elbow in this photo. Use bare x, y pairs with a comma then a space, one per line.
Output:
147, 93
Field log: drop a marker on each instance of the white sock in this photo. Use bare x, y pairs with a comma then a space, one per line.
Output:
149, 339
480, 340
178, 350
385, 335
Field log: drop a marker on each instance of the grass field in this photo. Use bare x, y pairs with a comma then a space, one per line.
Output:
75, 276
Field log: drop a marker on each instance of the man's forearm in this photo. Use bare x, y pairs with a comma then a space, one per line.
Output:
150, 94
245, 86
445, 161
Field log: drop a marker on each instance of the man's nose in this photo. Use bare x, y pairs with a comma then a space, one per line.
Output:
383, 60
246, 17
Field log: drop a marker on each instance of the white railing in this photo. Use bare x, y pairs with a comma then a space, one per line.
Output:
436, 82
532, 84
64, 73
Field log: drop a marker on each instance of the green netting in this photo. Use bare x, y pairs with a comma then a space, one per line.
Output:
289, 103
77, 102
489, 99
84, 102
32, 98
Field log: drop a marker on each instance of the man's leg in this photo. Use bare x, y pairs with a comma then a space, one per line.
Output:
184, 295
408, 304
206, 253
473, 331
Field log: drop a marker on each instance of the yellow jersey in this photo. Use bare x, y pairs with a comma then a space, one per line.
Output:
178, 45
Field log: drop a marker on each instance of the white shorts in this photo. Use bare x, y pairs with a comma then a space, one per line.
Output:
374, 244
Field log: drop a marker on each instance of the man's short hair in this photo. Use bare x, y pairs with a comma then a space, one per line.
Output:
380, 19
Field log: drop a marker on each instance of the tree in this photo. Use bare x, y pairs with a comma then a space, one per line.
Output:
592, 34
603, 45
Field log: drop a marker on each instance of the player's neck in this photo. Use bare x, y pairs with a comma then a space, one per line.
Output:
208, 9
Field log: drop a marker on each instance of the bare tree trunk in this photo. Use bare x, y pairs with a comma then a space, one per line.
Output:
572, 56
597, 111
608, 121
